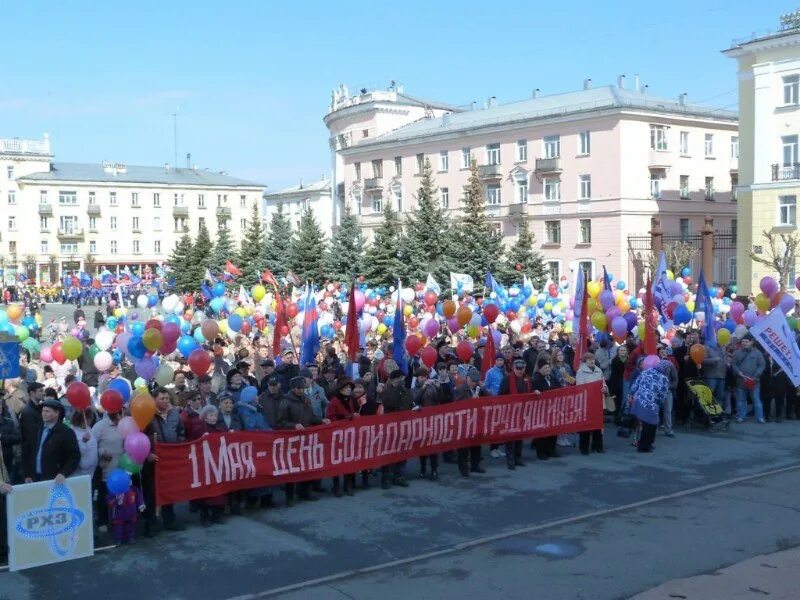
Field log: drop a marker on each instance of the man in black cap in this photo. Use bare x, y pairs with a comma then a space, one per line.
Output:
295, 412
53, 453
243, 366
396, 397
30, 418
270, 400
268, 369
204, 390
287, 370
516, 383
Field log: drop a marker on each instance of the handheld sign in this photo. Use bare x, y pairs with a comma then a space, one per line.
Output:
9, 356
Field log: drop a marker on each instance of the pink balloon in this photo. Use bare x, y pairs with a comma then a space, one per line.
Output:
737, 309
127, 426
453, 325
170, 332
360, 299
112, 303
650, 362
103, 361
137, 446
45, 355
430, 327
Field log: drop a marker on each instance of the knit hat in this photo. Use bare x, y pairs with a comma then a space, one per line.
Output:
297, 383
208, 408
396, 374
474, 374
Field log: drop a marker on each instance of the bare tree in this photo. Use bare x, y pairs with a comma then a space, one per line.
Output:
780, 254
52, 266
678, 254
29, 265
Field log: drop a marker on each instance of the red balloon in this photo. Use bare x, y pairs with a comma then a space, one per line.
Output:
412, 345
511, 315
78, 395
491, 312
284, 330
120, 328
154, 324
413, 322
337, 325
245, 328
57, 353
464, 350
199, 362
111, 401
430, 298
429, 356
292, 310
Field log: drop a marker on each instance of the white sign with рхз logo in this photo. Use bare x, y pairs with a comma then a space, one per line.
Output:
49, 522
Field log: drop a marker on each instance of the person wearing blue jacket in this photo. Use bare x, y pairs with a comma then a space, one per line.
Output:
492, 384
254, 420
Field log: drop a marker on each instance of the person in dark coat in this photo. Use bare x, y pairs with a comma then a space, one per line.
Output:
517, 382
342, 407
427, 393
227, 416
469, 458
30, 417
396, 397
287, 371
54, 452
270, 401
90, 375
193, 425
99, 319
9, 437
542, 382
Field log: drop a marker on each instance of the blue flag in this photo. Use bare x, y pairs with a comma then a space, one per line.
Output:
703, 302
580, 283
661, 293
399, 333
310, 343
492, 285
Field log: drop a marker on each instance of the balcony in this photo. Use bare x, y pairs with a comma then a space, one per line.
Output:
17, 146
373, 184
785, 172
223, 212
490, 172
735, 165
46, 209
93, 209
659, 160
548, 165
518, 209
180, 211
74, 233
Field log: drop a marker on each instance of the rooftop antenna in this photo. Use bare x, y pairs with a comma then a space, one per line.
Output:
175, 135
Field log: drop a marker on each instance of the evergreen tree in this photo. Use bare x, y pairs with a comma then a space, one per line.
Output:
521, 259
223, 249
279, 239
307, 250
345, 256
199, 257
179, 263
382, 264
428, 234
476, 247
250, 250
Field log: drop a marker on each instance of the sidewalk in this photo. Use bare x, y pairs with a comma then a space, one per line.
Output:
773, 576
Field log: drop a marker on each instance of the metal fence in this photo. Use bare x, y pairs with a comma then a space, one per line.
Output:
725, 258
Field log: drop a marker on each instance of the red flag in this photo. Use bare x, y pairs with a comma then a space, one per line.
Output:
487, 362
649, 321
280, 323
294, 279
583, 328
351, 337
232, 269
267, 277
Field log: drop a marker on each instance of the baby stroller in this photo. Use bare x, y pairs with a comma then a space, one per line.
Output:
705, 410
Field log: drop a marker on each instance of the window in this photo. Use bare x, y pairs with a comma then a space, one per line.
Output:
493, 194
113, 224
92, 199
791, 89
684, 143
493, 154
68, 223
655, 186
790, 157
136, 246
67, 198
364, 133
12, 223
10, 171
134, 198
42, 196
709, 145
69, 248
156, 199
734, 187
522, 190
397, 192
587, 266
586, 231
242, 201
684, 228
93, 223
201, 200
444, 161
377, 203
684, 191
466, 158
553, 231
377, 168
552, 189
44, 223
497, 228
732, 268
734, 228
157, 246
787, 210
552, 146
135, 223
419, 164
43, 247
242, 224
522, 150
357, 200
658, 137
584, 143
92, 247
357, 167
112, 198
398, 165
709, 188
113, 246
554, 270
734, 146
585, 187
12, 197
12, 247
444, 197
156, 223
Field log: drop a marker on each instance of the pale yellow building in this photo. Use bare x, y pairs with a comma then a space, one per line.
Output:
769, 154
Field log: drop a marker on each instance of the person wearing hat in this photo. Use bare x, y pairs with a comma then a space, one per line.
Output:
748, 364
207, 396
268, 370
53, 453
427, 393
343, 407
543, 382
295, 413
287, 370
517, 382
396, 397
317, 395
243, 366
270, 400
469, 458
30, 418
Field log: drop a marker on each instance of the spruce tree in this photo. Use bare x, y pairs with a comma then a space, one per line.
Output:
250, 262
199, 257
345, 256
521, 259
307, 250
428, 234
179, 263
382, 264
476, 247
223, 249
279, 239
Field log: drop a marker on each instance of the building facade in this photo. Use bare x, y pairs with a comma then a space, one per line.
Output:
315, 197
61, 217
586, 169
769, 109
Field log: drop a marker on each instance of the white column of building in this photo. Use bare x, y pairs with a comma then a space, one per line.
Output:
764, 143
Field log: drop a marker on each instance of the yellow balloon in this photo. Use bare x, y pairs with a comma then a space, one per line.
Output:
624, 307
723, 337
532, 300
258, 291
407, 310
118, 312
72, 348
592, 305
241, 311
762, 302
381, 329
473, 331
548, 306
670, 275
640, 329
594, 288
690, 305
223, 326
568, 327
599, 321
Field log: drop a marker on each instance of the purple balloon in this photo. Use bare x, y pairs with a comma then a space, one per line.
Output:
430, 327
737, 309
137, 446
675, 288
769, 286
650, 362
452, 324
750, 317
612, 313
496, 336
146, 369
607, 299
619, 326
787, 303
631, 320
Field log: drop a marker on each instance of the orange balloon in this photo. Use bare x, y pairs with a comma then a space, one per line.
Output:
448, 308
143, 409
698, 353
464, 315
14, 311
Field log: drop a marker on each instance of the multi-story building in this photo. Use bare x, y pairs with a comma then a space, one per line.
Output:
315, 197
769, 109
57, 216
585, 168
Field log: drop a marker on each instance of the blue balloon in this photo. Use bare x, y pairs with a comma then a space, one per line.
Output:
248, 394
686, 271
327, 331
186, 345
198, 335
514, 304
217, 304
137, 328
186, 326
118, 482
112, 323
152, 300
175, 319
681, 316
218, 289
136, 347
121, 386
730, 325
116, 356
7, 328
620, 285
235, 322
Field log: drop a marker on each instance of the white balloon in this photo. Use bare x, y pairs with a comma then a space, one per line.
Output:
178, 310
169, 303
104, 339
141, 301
408, 295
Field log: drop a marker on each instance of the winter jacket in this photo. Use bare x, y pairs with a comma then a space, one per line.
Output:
88, 450
649, 392
252, 418
340, 408
713, 363
166, 429
749, 363
427, 395
60, 453
296, 410
494, 379
319, 399
9, 436
396, 398
30, 420
235, 423
588, 375
109, 442
193, 424
270, 403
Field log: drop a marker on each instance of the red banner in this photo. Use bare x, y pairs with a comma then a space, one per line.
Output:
226, 462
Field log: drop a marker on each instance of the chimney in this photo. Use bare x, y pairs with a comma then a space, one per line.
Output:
682, 99
636, 85
587, 84
621, 82
301, 183
491, 102
166, 167
445, 119
536, 93
473, 105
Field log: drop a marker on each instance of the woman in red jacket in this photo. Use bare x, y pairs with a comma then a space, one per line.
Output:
342, 407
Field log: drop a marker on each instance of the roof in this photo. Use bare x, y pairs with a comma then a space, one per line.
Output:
768, 38
404, 98
96, 172
323, 185
545, 106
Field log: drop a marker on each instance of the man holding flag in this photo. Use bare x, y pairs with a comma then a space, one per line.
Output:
713, 368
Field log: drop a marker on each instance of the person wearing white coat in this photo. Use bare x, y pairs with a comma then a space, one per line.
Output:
587, 373
86, 442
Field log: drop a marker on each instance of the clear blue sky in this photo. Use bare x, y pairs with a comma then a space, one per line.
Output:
252, 80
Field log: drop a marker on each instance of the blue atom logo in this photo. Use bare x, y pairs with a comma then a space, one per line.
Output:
58, 522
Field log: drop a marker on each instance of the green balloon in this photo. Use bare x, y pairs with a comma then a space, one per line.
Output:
93, 350
126, 463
